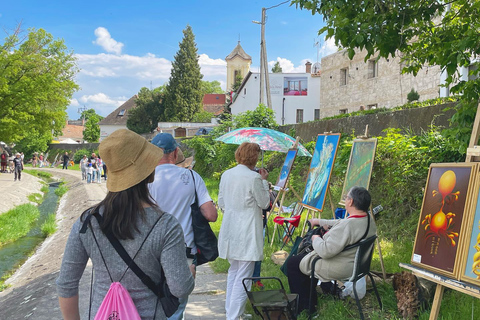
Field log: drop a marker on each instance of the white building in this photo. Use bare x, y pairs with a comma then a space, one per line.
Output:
295, 97
117, 119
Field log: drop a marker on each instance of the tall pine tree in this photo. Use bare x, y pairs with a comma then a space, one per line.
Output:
183, 97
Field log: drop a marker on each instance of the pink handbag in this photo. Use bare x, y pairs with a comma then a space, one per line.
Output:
117, 305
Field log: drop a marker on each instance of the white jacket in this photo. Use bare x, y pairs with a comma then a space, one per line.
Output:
242, 194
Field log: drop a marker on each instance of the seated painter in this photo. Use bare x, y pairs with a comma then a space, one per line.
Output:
334, 263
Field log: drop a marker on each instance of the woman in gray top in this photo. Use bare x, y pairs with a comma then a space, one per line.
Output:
130, 214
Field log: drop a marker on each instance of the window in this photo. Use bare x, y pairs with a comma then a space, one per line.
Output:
316, 114
343, 76
372, 106
343, 111
299, 115
244, 90
235, 74
122, 112
372, 69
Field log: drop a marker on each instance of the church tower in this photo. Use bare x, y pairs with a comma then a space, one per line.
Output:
238, 62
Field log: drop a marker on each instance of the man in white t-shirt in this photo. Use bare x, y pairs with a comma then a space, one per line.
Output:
174, 192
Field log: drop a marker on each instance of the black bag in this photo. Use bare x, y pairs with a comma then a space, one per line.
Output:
169, 302
306, 245
203, 236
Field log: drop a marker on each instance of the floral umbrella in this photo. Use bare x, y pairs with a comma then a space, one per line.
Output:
267, 139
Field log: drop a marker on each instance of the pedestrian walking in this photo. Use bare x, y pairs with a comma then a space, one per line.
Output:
18, 166
83, 167
66, 158
4, 160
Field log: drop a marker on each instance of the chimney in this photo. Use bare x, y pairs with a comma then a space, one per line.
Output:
308, 67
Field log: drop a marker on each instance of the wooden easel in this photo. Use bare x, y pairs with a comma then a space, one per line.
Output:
473, 155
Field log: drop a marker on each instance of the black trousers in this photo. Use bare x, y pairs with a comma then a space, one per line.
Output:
18, 173
299, 283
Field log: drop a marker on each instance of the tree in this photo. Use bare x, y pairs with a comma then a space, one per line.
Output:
276, 68
148, 112
209, 87
91, 133
262, 117
183, 97
237, 83
36, 84
413, 95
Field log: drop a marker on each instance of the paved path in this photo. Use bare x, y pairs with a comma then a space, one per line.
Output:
32, 293
15, 193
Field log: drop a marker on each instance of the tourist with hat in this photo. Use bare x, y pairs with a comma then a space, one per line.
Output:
174, 191
154, 239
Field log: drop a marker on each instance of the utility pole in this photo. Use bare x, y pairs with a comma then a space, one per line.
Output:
264, 78
82, 116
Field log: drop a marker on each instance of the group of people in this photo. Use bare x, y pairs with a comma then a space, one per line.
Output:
93, 169
38, 159
148, 208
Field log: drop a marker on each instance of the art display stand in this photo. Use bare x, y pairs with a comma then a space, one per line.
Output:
473, 155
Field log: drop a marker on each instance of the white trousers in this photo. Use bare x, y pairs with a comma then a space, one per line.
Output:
236, 295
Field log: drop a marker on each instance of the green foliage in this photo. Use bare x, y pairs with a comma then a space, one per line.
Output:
237, 82
35, 197
44, 188
461, 124
209, 87
261, 117
61, 190
17, 222
412, 95
39, 174
36, 83
183, 97
91, 133
277, 68
203, 116
149, 111
81, 152
49, 226
422, 33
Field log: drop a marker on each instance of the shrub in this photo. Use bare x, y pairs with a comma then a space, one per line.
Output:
61, 190
413, 95
81, 152
49, 226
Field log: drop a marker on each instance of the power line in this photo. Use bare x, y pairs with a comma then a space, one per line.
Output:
278, 5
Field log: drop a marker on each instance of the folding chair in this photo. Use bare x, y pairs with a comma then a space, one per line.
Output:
361, 268
289, 225
273, 304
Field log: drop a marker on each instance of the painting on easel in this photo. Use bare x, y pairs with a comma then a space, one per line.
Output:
286, 168
320, 171
360, 165
445, 208
471, 266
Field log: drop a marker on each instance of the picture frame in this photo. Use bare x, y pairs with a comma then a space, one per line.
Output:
320, 171
286, 168
470, 271
360, 165
446, 207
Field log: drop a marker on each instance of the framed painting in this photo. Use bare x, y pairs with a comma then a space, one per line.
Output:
360, 165
471, 260
320, 171
286, 168
445, 210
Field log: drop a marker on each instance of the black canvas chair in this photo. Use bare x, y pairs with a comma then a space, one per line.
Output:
272, 304
361, 268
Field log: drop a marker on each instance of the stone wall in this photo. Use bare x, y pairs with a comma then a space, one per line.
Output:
415, 120
350, 85
72, 147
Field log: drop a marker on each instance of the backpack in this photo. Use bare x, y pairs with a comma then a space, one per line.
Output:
117, 305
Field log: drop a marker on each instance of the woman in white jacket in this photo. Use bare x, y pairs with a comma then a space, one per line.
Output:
243, 193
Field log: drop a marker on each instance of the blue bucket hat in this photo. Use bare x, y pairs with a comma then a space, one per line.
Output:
165, 141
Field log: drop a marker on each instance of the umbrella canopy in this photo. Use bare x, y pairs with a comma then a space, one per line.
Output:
267, 139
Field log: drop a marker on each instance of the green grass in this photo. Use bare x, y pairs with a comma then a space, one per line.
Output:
61, 190
49, 226
17, 222
396, 241
35, 197
39, 173
44, 188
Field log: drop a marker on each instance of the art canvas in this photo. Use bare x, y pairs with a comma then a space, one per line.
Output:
360, 165
445, 204
320, 171
471, 260
286, 168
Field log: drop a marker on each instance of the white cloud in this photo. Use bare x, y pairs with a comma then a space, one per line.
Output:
328, 47
102, 99
74, 102
288, 66
105, 40
212, 69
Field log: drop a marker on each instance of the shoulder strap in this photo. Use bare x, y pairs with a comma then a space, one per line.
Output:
194, 188
368, 227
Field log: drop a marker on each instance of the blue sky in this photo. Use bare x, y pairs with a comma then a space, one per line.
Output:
122, 46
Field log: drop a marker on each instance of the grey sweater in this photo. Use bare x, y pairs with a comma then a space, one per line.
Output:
164, 246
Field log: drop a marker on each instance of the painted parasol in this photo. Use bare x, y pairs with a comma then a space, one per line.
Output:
267, 139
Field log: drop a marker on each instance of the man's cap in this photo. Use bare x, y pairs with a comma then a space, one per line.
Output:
165, 141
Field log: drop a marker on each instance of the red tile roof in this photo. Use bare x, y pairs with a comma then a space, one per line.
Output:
214, 103
73, 132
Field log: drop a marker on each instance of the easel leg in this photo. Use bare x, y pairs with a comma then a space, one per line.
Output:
305, 222
379, 248
295, 193
332, 206
437, 301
